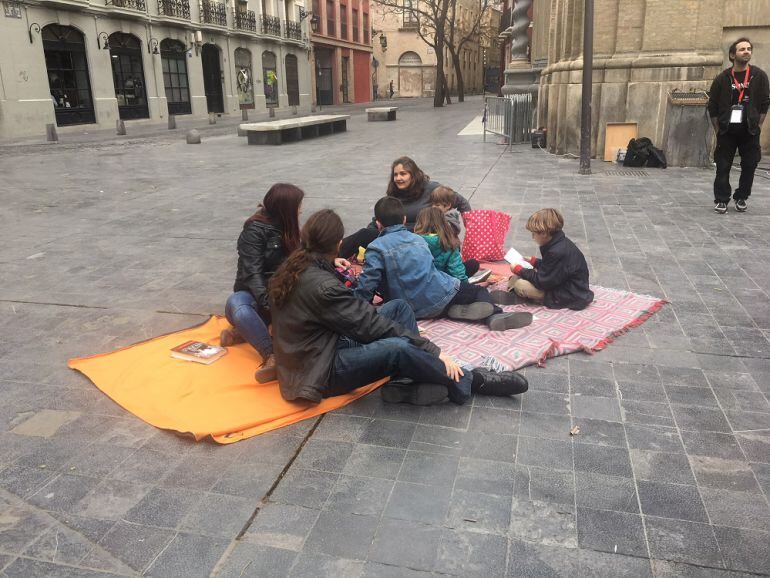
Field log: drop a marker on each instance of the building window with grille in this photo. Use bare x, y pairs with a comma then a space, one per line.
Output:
343, 21
331, 27
354, 18
65, 60
366, 28
410, 17
174, 63
270, 79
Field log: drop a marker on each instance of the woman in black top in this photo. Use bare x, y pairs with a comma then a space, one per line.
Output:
412, 187
268, 237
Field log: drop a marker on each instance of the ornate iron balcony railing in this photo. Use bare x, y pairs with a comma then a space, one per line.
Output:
293, 29
271, 25
245, 20
177, 8
213, 13
130, 4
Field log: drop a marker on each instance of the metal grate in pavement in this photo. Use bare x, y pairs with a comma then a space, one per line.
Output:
626, 173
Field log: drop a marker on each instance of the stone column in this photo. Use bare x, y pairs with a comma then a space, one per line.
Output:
520, 77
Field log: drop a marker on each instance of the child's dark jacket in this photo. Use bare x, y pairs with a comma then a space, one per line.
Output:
562, 274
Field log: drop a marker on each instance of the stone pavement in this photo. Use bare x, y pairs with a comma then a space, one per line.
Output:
112, 242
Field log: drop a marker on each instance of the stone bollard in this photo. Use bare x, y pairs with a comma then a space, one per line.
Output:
244, 114
212, 119
171, 122
50, 133
120, 127
271, 112
193, 137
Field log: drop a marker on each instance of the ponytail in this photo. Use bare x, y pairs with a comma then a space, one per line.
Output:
285, 278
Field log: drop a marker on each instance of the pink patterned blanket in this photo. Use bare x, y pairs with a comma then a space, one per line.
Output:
552, 332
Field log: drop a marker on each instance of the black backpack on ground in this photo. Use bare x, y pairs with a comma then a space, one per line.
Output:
642, 153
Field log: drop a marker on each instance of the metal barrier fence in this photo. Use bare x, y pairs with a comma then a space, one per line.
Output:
509, 117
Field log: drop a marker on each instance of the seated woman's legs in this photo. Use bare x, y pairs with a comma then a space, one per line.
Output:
241, 312
392, 357
360, 238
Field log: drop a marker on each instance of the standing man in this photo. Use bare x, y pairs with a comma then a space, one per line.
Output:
738, 103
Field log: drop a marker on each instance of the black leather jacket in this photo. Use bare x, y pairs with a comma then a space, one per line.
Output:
260, 252
307, 328
562, 274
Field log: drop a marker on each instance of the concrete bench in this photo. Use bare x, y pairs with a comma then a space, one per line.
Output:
277, 132
381, 113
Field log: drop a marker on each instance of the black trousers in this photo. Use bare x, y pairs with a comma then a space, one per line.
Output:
468, 294
736, 139
360, 238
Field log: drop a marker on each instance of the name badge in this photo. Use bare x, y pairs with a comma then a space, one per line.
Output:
736, 114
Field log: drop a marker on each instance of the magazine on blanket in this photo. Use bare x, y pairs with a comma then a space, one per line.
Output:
198, 351
516, 258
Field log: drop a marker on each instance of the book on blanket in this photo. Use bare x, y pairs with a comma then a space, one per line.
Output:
198, 352
516, 258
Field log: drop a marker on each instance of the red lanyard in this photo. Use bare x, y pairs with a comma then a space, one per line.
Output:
745, 84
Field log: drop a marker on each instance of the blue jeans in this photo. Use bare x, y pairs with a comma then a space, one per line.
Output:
241, 312
357, 364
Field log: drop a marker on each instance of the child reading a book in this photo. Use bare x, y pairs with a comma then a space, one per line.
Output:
559, 279
399, 265
445, 199
442, 242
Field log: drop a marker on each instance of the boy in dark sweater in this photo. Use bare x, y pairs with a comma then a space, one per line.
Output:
559, 279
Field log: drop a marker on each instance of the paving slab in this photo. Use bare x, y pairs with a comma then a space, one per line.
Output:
107, 241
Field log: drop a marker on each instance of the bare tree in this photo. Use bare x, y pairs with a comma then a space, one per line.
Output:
458, 36
432, 22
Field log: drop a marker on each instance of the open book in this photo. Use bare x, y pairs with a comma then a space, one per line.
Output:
516, 258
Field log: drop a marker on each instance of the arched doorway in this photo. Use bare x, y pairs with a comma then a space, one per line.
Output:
128, 76
65, 61
292, 80
212, 78
409, 75
243, 78
174, 60
270, 79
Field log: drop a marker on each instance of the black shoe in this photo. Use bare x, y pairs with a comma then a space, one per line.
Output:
505, 297
503, 321
474, 312
740, 205
416, 394
720, 208
487, 382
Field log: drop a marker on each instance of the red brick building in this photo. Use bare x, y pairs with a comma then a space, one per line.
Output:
342, 49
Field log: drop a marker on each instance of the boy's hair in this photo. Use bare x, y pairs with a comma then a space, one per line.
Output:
431, 221
442, 195
733, 49
389, 211
547, 221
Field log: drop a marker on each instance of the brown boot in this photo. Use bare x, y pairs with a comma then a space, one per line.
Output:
266, 372
230, 337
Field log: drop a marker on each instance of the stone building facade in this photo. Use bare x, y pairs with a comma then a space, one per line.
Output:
342, 51
410, 64
643, 49
91, 62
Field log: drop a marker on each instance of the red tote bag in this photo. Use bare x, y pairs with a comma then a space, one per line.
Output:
485, 233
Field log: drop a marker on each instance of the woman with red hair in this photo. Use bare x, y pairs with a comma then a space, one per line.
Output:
267, 239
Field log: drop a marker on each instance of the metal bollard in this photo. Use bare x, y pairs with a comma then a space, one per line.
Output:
120, 127
171, 122
244, 114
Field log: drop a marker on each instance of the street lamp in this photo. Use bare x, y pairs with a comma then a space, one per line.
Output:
383, 38
585, 105
105, 41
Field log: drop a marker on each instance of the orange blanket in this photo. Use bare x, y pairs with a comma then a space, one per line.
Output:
221, 400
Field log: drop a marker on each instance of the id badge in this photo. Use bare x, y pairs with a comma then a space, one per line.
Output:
736, 114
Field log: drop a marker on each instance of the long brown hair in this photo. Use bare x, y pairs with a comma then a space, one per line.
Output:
431, 221
319, 239
417, 185
280, 208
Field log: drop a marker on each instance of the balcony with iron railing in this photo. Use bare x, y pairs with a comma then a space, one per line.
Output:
175, 8
128, 4
271, 25
292, 30
213, 13
245, 20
